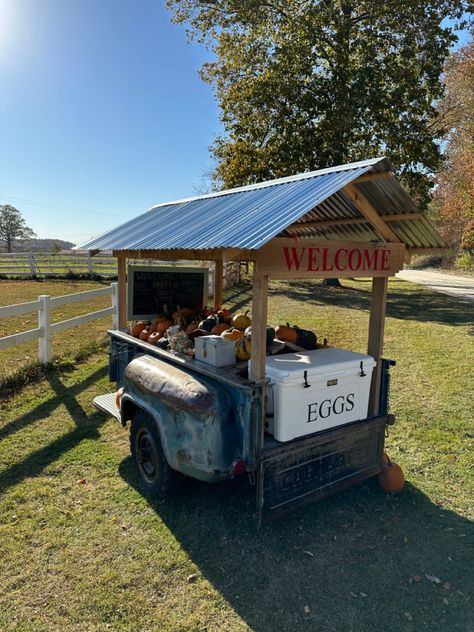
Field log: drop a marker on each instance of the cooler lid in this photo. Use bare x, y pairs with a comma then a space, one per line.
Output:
319, 362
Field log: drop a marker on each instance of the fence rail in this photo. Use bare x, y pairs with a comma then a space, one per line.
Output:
46, 328
34, 264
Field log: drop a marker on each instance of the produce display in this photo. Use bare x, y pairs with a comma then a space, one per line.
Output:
163, 331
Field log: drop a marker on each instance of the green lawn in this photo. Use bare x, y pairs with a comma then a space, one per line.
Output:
82, 549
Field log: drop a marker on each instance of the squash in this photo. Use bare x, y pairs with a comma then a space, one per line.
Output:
154, 337
270, 335
224, 314
145, 334
242, 348
232, 334
162, 326
218, 329
191, 327
241, 321
305, 338
118, 397
287, 333
137, 327
197, 333
391, 478
208, 323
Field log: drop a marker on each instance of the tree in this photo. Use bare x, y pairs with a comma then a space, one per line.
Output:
13, 226
453, 200
306, 84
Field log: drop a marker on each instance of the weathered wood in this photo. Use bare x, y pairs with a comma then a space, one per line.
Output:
376, 333
368, 211
259, 325
399, 217
369, 177
295, 258
122, 291
218, 283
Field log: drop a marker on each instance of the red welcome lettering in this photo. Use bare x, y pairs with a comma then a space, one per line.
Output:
357, 264
336, 259
313, 254
325, 261
385, 258
292, 257
371, 259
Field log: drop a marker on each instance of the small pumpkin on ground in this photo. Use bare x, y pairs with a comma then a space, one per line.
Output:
391, 478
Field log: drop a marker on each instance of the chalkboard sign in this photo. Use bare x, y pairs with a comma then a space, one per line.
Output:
156, 289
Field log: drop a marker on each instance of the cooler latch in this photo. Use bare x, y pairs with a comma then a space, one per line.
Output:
305, 375
362, 374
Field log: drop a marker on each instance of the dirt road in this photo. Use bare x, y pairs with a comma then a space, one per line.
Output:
459, 286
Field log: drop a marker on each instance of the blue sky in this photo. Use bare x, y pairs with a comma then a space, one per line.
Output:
102, 113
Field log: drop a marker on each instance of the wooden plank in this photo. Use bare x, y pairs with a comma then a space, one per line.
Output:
81, 320
259, 325
376, 332
79, 297
20, 308
368, 211
370, 177
122, 290
218, 283
402, 217
171, 255
328, 223
24, 336
295, 258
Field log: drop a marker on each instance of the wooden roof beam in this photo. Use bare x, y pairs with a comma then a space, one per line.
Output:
354, 220
367, 210
369, 177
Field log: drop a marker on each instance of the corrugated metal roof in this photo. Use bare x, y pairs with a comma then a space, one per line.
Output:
248, 217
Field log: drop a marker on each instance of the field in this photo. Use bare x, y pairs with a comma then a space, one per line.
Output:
82, 549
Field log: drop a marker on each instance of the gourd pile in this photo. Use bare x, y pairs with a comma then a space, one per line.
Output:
219, 322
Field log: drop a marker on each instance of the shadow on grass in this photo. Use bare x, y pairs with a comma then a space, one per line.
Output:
413, 304
86, 428
360, 561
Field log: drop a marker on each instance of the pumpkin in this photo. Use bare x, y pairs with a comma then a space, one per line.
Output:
163, 326
208, 323
285, 332
191, 327
305, 338
269, 336
118, 397
218, 329
391, 478
154, 337
232, 334
197, 333
242, 348
144, 334
137, 327
224, 314
241, 321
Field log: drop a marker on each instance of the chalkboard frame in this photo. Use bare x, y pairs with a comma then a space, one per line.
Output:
133, 268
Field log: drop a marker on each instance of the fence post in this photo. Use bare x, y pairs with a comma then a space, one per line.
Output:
89, 264
115, 305
32, 265
44, 322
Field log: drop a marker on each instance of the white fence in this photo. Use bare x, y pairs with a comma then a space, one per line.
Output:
46, 328
40, 264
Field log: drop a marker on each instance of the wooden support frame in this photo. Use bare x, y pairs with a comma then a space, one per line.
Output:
218, 283
377, 175
376, 334
259, 324
122, 290
365, 207
399, 217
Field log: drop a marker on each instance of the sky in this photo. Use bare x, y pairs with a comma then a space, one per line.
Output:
102, 113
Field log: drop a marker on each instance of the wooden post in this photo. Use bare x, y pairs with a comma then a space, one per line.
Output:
376, 331
44, 323
115, 305
218, 283
259, 324
32, 264
122, 290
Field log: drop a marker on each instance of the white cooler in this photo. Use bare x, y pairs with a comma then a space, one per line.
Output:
215, 350
316, 390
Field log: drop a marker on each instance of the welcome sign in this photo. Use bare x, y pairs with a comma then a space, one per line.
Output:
306, 258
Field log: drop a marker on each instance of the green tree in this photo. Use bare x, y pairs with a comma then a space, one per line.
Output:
13, 226
306, 84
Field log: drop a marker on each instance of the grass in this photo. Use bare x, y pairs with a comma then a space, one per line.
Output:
82, 549
67, 344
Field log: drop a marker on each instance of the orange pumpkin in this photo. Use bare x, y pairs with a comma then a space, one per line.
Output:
285, 332
219, 329
137, 327
154, 337
391, 478
162, 326
118, 397
191, 327
232, 334
145, 334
